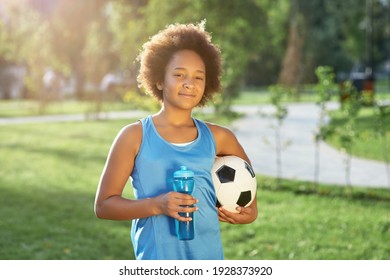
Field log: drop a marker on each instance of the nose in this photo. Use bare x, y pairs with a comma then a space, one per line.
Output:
188, 84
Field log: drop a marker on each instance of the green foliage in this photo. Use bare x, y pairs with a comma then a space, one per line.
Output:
350, 109
353, 21
277, 98
368, 145
382, 113
21, 38
326, 83
18, 33
324, 89
107, 36
347, 133
129, 29
236, 26
140, 101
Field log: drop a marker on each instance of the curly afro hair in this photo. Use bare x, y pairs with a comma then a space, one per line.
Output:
158, 51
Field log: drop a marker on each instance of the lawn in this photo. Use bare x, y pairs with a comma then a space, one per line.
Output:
48, 179
22, 108
368, 141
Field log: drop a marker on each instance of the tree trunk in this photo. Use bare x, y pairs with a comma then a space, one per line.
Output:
291, 72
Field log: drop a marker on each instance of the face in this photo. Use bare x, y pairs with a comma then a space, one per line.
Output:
184, 80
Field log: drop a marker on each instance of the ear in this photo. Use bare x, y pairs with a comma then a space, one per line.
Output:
159, 85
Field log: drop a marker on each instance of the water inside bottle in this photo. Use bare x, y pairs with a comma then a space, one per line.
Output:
185, 230
184, 183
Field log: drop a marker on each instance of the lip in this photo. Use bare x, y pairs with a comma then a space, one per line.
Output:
188, 95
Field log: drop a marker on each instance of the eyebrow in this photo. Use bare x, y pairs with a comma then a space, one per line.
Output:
182, 68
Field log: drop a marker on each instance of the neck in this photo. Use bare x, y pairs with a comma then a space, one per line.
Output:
174, 118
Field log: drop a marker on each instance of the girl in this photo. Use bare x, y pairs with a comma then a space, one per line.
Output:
181, 67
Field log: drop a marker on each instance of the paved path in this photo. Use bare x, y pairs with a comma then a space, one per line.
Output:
254, 131
72, 118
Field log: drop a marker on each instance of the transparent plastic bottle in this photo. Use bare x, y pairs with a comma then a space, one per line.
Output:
183, 181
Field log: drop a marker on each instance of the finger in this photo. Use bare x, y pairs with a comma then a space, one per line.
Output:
187, 209
189, 205
222, 216
183, 196
188, 201
227, 216
183, 217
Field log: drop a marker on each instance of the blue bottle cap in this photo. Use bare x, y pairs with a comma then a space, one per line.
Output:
183, 173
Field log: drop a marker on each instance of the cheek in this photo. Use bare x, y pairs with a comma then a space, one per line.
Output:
202, 87
170, 83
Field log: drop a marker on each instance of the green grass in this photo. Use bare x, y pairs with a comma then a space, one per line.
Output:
369, 143
296, 223
23, 108
48, 179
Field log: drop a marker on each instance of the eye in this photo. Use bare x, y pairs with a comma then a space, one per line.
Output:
179, 75
200, 78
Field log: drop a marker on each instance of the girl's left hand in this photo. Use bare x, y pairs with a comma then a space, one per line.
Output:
245, 215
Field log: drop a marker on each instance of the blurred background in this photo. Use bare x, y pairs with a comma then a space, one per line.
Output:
56, 49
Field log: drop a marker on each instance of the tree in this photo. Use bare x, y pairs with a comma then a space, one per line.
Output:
22, 34
325, 87
265, 62
69, 27
382, 113
277, 96
130, 29
236, 26
347, 133
291, 72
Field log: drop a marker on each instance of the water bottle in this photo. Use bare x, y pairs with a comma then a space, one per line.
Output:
183, 181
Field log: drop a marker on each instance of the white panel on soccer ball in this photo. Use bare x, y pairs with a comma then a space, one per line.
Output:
230, 207
234, 162
226, 192
245, 182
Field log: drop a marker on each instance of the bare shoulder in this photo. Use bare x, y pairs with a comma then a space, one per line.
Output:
226, 141
132, 130
220, 132
129, 137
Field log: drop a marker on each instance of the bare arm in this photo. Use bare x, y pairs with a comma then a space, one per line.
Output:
227, 144
109, 202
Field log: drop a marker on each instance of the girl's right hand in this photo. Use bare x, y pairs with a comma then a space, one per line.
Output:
171, 204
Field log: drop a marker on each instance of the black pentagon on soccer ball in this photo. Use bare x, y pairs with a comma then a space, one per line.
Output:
226, 174
245, 198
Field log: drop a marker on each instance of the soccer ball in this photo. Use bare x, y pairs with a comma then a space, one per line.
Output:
234, 182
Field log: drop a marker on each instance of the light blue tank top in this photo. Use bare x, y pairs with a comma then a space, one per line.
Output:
157, 160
